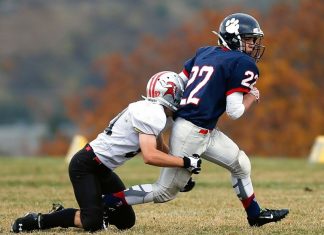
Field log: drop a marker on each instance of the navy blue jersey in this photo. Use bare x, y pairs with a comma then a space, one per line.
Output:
214, 73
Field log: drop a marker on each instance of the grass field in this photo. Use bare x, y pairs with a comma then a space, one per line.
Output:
33, 184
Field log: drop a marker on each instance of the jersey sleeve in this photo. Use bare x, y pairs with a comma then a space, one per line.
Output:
148, 122
244, 76
190, 63
188, 66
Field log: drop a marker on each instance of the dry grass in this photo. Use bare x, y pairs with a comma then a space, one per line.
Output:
32, 184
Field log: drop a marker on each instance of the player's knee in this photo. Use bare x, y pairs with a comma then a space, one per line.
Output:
164, 194
91, 219
243, 166
128, 222
123, 217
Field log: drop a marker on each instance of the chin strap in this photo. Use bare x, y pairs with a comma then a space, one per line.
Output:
161, 102
153, 100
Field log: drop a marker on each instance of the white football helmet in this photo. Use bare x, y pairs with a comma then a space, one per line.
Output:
165, 88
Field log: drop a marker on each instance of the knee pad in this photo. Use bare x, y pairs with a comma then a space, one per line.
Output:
244, 162
163, 194
91, 219
242, 166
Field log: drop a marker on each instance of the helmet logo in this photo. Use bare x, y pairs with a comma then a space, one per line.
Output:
232, 26
257, 31
171, 89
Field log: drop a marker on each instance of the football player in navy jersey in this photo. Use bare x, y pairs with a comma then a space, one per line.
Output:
218, 79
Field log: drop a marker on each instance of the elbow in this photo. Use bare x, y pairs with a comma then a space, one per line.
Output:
234, 105
235, 114
148, 159
231, 116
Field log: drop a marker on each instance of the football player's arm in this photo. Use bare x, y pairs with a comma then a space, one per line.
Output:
155, 157
161, 145
250, 98
242, 94
184, 75
237, 103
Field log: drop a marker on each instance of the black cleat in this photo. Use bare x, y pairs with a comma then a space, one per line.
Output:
106, 212
56, 207
268, 216
27, 223
189, 186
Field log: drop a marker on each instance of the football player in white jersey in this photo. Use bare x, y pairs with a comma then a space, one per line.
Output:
137, 128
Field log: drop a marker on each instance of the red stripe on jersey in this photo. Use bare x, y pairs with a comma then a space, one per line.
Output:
225, 49
186, 73
240, 89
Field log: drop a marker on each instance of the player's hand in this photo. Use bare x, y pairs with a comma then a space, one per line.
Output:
256, 93
189, 186
192, 163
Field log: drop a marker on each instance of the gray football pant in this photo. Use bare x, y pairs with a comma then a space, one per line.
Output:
187, 139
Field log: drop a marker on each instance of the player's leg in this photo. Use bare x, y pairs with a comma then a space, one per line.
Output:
165, 189
83, 171
85, 187
34, 221
189, 186
224, 152
186, 139
122, 217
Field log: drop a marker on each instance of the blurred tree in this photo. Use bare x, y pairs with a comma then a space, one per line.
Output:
292, 107
290, 114
55, 146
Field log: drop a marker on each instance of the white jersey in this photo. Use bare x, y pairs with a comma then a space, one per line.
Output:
122, 143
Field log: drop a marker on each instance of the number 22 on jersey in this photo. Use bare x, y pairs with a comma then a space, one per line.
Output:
250, 79
205, 74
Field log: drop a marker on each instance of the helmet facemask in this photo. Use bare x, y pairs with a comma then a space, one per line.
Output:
234, 32
252, 46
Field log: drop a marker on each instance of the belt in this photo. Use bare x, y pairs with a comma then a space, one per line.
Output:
204, 131
97, 160
94, 157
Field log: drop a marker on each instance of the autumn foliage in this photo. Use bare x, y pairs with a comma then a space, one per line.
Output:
290, 114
